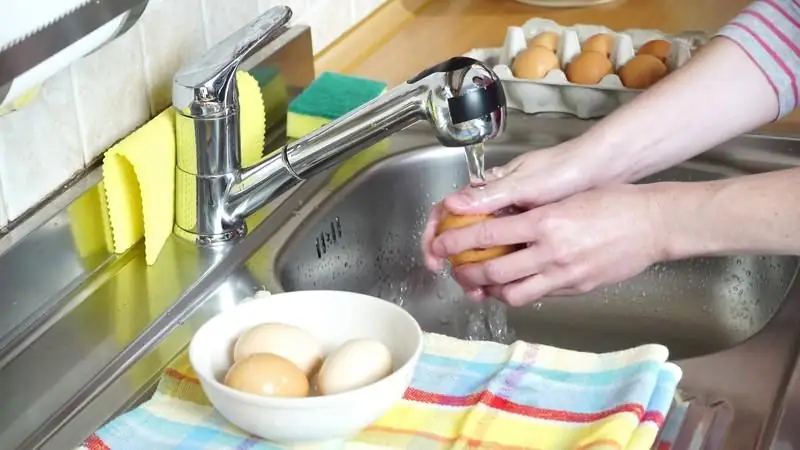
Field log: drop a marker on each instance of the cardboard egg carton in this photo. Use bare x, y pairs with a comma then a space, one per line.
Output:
554, 93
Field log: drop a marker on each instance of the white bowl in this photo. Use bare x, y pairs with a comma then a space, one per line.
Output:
333, 317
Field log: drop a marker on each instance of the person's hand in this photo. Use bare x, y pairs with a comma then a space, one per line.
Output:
533, 179
590, 239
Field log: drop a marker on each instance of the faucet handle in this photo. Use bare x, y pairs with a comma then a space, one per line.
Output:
468, 103
205, 86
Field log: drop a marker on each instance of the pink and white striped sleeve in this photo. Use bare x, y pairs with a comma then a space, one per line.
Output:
769, 31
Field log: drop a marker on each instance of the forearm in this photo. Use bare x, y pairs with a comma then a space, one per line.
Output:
733, 85
717, 96
750, 214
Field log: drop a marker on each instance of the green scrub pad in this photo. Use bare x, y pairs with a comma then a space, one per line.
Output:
329, 97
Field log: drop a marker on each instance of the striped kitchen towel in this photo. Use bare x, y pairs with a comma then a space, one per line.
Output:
464, 395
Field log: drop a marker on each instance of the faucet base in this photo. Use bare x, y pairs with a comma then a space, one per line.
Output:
211, 240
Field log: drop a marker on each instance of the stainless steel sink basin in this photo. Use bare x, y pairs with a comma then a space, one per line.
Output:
694, 307
732, 324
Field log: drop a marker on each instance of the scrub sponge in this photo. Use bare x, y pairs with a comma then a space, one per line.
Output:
329, 97
274, 94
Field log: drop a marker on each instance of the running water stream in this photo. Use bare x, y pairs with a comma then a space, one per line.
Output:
489, 321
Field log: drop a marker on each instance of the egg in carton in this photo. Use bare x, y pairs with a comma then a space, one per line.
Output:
554, 93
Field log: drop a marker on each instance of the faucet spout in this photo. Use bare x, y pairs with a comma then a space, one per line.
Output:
324, 148
461, 98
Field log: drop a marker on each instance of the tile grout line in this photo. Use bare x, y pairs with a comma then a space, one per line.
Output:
204, 23
148, 81
3, 206
139, 30
77, 106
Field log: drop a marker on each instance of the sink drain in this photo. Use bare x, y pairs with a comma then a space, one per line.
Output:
328, 237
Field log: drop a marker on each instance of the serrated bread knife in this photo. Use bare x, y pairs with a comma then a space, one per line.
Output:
35, 47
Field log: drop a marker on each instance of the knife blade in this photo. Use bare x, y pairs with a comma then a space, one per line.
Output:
35, 47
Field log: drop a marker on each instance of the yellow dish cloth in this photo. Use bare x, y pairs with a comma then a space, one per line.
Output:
89, 225
139, 172
274, 95
139, 176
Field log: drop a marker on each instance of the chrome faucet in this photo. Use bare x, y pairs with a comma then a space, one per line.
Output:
461, 98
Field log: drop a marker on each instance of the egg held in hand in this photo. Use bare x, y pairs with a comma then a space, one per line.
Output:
267, 375
354, 364
452, 221
288, 341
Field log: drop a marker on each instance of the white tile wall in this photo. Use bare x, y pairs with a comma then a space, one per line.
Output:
110, 103
40, 146
83, 110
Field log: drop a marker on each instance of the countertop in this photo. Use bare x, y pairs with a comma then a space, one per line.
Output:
405, 36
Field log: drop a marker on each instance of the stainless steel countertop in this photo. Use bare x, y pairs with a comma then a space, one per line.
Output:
73, 314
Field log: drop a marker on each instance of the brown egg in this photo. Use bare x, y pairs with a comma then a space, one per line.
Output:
548, 40
657, 47
589, 67
642, 71
452, 221
533, 63
267, 375
601, 43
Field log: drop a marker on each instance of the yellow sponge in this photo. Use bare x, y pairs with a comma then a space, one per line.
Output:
329, 97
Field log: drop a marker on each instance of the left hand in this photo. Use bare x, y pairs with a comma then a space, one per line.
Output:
590, 239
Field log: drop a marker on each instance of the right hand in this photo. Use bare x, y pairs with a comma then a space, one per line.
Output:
533, 179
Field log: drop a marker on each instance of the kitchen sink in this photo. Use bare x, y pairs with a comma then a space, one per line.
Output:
86, 334
730, 323
371, 232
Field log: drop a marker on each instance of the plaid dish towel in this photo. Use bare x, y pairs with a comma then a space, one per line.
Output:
464, 395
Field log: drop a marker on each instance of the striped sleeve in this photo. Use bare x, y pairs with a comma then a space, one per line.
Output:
769, 31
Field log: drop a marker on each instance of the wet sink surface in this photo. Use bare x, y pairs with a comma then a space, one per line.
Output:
731, 323
366, 239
